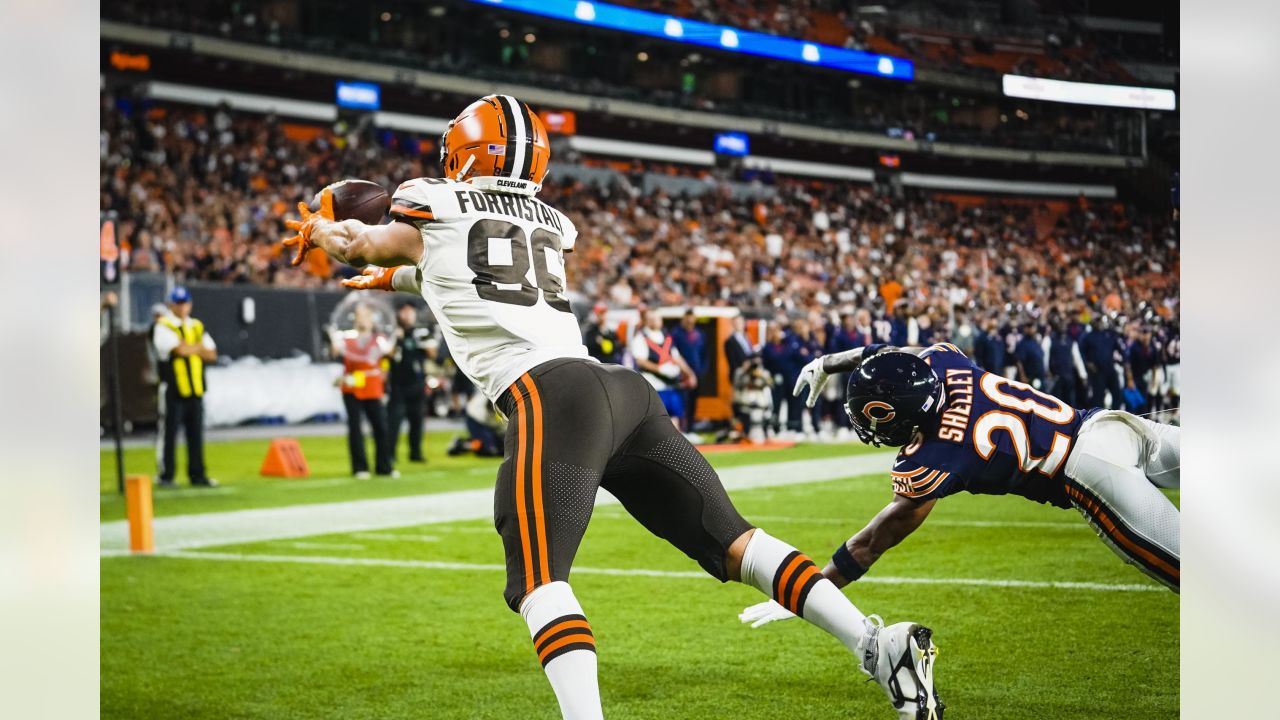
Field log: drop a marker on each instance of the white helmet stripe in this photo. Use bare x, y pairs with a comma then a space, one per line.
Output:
520, 133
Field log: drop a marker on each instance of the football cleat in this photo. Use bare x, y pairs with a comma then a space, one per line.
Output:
901, 658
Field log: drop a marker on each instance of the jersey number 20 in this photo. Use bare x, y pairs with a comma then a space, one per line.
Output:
506, 280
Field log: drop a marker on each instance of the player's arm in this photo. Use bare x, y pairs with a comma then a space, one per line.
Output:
356, 244
850, 561
351, 241
889, 527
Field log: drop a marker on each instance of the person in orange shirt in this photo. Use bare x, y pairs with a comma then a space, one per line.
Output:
890, 290
362, 350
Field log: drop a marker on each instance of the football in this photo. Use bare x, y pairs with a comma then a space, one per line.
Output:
359, 200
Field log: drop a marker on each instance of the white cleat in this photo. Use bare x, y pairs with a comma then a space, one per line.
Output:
901, 658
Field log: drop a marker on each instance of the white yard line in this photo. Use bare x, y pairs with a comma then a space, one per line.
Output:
240, 526
634, 572
396, 537
325, 546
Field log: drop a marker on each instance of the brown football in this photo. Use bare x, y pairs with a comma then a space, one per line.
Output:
359, 200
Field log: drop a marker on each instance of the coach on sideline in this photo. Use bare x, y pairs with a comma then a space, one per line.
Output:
182, 347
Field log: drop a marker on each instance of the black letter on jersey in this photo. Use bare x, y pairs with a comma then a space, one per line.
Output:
462, 200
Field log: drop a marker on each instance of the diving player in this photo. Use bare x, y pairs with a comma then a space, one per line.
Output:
961, 428
488, 257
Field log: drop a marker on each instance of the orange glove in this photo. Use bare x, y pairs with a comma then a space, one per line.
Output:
373, 278
308, 224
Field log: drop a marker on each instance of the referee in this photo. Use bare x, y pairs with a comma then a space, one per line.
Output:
182, 348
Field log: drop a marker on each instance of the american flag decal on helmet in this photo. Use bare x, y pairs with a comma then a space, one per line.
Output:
497, 149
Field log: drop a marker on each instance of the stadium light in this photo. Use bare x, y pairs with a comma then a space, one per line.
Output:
720, 37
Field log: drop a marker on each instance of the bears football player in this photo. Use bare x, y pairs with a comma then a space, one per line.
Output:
488, 257
962, 428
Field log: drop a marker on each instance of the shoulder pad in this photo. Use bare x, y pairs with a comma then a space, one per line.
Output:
920, 472
425, 200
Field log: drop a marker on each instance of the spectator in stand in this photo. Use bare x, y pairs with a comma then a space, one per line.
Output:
1102, 351
1029, 355
362, 350
661, 364
692, 345
1142, 358
1066, 366
738, 348
776, 359
801, 348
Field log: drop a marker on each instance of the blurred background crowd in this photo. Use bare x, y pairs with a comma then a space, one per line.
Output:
1079, 297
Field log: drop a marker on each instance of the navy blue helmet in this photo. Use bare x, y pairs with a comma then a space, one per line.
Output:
892, 395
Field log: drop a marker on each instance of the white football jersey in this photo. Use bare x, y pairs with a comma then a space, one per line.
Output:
493, 274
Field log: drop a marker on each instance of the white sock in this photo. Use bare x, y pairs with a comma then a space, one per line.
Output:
795, 582
566, 648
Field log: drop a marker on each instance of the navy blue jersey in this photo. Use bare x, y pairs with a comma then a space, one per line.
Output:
995, 436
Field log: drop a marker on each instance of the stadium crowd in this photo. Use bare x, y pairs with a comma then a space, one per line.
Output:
201, 195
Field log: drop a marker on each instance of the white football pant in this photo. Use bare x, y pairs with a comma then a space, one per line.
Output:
1114, 473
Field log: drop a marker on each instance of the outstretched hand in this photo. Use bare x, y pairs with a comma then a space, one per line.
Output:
373, 278
307, 225
815, 378
764, 613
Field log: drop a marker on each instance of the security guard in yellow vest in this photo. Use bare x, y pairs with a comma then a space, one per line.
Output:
182, 348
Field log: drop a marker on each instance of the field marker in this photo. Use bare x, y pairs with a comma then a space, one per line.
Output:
636, 572
137, 498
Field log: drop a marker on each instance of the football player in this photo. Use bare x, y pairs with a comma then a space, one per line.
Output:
488, 257
962, 428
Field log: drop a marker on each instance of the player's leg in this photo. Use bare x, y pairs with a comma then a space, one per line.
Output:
667, 485
558, 442
1106, 482
1163, 463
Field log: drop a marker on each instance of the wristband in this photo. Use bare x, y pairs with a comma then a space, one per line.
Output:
848, 568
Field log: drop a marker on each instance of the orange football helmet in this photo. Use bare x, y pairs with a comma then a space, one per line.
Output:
497, 143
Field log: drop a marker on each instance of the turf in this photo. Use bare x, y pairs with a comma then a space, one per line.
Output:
203, 638
235, 465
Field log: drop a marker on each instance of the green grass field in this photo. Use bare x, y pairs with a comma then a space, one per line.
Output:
409, 622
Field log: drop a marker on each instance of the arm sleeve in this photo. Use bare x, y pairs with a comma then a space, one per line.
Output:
207, 341
1079, 361
165, 340
407, 278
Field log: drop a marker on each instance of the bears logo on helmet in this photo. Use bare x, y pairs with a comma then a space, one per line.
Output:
497, 143
891, 396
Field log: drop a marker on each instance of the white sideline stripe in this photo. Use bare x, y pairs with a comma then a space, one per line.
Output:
630, 572
182, 532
